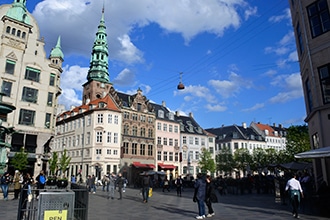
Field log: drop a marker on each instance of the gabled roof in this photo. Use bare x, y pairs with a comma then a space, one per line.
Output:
227, 133
103, 103
167, 113
189, 125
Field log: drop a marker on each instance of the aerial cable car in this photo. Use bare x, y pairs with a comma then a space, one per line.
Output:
180, 86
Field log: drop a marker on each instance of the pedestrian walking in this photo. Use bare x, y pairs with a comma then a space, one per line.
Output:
91, 184
199, 195
26, 196
112, 182
5, 180
18, 180
178, 182
209, 191
166, 185
41, 182
120, 183
295, 192
146, 185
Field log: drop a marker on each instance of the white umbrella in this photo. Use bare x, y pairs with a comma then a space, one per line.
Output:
316, 153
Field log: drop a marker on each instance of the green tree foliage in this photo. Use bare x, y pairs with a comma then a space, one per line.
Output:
64, 161
242, 158
206, 162
53, 163
225, 161
20, 160
297, 141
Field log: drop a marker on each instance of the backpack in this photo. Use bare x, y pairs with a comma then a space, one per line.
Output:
146, 181
42, 179
3, 179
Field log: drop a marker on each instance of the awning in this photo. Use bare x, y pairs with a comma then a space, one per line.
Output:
296, 165
316, 153
166, 166
143, 165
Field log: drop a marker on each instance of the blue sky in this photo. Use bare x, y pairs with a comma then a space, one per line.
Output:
238, 57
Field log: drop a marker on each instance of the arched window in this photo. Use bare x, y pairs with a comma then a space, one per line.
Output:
23, 35
18, 33
8, 29
13, 31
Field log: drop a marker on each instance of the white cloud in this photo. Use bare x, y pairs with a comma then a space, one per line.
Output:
198, 91
254, 108
278, 18
230, 87
216, 108
124, 78
291, 86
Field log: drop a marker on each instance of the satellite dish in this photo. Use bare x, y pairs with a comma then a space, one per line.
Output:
180, 86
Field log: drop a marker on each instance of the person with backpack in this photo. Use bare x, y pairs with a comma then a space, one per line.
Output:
41, 182
146, 185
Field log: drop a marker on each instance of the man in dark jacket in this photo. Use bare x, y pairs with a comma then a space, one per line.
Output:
41, 182
146, 185
120, 182
209, 190
5, 180
199, 195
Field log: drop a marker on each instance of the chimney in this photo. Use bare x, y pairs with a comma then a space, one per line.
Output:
274, 124
280, 125
163, 104
177, 113
244, 125
191, 115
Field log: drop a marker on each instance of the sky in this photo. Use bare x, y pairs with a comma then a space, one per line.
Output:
238, 58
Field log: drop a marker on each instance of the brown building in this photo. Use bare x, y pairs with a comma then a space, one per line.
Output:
311, 23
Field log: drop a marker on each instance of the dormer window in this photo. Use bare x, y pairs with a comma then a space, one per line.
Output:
90, 107
101, 104
160, 113
171, 116
266, 132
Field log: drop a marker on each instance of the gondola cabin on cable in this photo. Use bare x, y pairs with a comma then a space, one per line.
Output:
180, 86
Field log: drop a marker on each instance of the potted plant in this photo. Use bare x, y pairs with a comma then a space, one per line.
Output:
63, 182
51, 179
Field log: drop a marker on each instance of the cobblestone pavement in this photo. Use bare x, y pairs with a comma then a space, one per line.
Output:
169, 206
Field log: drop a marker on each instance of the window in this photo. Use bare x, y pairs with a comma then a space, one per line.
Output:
6, 88
26, 117
109, 118
170, 141
134, 148
160, 113
134, 131
184, 140
116, 119
99, 137
134, 117
150, 133
300, 39
125, 146
325, 83
164, 127
150, 120
142, 149
191, 140
30, 95
126, 129
32, 74
109, 137
143, 132
165, 156
165, 141
159, 140
309, 95
99, 118
50, 99
126, 115
319, 19
203, 141
196, 155
170, 128
196, 141
170, 157
176, 129
98, 151
176, 142
115, 152
176, 156
115, 138
150, 150
10, 67
47, 120
143, 118
52, 79
159, 155
109, 151
89, 120
159, 126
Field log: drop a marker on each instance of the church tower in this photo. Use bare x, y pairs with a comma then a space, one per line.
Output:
98, 83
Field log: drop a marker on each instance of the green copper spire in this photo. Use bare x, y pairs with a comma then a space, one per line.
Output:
98, 69
57, 52
19, 12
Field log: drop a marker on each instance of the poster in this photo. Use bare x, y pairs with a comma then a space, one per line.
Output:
55, 214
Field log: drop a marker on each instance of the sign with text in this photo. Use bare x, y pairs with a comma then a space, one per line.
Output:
55, 215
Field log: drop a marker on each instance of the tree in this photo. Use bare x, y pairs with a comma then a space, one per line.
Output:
225, 161
297, 141
53, 163
206, 162
259, 158
64, 161
20, 160
242, 158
